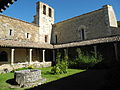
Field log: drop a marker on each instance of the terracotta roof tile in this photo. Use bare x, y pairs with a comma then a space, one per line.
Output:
21, 44
89, 42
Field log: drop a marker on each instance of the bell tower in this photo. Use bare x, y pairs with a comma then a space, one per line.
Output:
44, 18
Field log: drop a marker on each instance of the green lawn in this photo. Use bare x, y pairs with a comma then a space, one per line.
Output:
50, 77
45, 74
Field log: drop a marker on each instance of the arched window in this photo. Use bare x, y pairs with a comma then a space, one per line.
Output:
82, 34
50, 12
44, 9
3, 56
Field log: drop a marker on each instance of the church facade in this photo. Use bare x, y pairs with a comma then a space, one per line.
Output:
23, 43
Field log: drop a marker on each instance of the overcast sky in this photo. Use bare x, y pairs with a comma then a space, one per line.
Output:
64, 9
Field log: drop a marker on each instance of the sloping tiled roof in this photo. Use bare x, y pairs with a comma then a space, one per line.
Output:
21, 44
89, 42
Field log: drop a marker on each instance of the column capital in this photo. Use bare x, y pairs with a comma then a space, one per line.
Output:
30, 50
13, 49
43, 50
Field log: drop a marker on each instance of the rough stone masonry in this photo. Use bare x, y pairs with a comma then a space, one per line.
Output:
28, 78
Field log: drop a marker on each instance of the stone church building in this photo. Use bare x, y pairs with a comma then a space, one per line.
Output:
23, 43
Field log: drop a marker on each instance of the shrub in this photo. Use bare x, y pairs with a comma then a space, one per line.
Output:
61, 66
85, 61
30, 67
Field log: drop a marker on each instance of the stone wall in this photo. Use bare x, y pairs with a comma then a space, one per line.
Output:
5, 68
44, 21
115, 31
11, 28
37, 55
109, 12
95, 24
21, 55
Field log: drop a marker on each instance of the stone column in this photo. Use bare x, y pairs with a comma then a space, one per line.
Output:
116, 51
66, 51
53, 55
43, 55
12, 56
58, 50
95, 50
30, 56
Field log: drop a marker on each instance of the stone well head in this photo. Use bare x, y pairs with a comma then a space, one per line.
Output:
27, 77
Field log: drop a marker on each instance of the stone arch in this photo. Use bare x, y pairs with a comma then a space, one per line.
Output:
3, 56
82, 27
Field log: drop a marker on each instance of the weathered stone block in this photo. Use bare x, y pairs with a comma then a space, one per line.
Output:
27, 78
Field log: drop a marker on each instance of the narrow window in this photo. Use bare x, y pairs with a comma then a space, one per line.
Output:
55, 38
44, 9
82, 34
27, 35
50, 12
10, 33
46, 38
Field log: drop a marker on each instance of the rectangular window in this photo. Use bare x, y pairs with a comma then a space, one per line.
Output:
56, 39
27, 35
10, 33
50, 12
46, 38
44, 9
